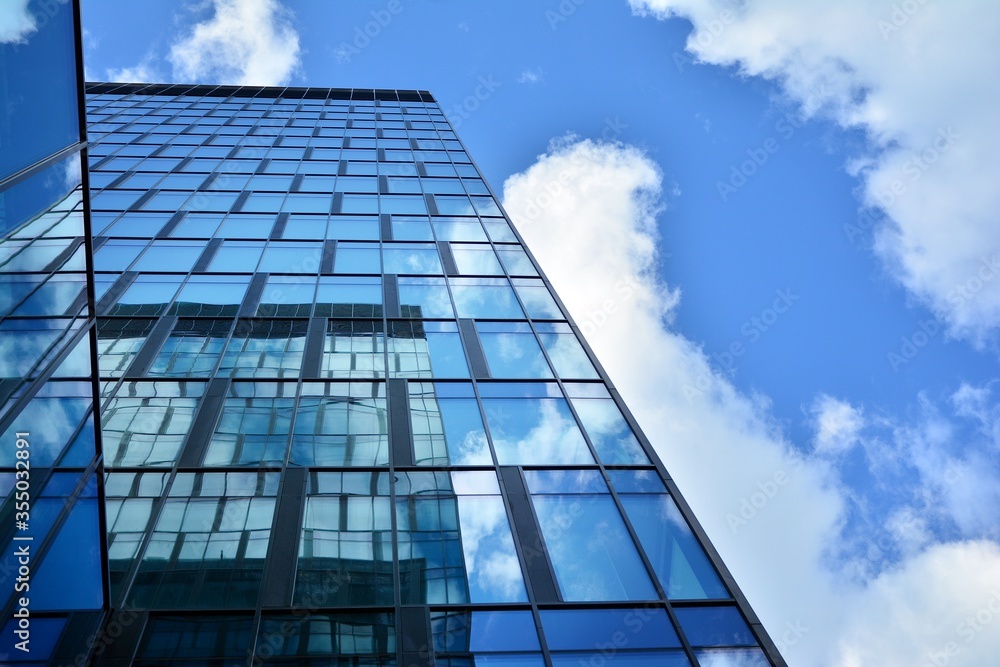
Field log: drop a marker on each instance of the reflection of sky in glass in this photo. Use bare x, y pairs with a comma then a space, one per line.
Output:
680, 563
512, 351
732, 658
535, 431
485, 298
490, 559
590, 549
566, 353
610, 434
424, 297
476, 259
411, 258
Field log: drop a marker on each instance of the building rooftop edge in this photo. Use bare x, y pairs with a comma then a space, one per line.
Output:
286, 92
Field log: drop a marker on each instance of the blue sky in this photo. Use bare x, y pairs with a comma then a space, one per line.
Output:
804, 199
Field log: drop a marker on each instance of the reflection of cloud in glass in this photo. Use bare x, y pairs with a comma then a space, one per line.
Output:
535, 431
51, 422
567, 356
490, 560
730, 658
473, 450
16, 22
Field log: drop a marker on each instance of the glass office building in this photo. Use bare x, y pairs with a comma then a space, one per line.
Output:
53, 574
344, 418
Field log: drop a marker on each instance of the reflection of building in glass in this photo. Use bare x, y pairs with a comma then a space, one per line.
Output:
340, 405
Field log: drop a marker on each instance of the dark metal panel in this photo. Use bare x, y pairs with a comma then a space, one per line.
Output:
279, 225
529, 537
385, 223
400, 430
431, 204
204, 423
415, 636
447, 258
329, 255
207, 255
474, 348
312, 356
390, 295
168, 228
283, 548
140, 365
252, 298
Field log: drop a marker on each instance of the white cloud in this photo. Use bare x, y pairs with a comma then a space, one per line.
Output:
837, 424
245, 42
587, 210
941, 608
917, 77
144, 72
531, 75
16, 22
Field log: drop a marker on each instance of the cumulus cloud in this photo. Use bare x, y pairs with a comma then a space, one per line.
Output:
837, 424
913, 76
245, 42
588, 211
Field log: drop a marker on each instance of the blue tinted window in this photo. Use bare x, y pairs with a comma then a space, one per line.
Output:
488, 298
582, 629
38, 101
483, 631
714, 626
512, 351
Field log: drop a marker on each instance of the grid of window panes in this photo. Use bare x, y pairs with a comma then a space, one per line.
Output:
334, 380
51, 574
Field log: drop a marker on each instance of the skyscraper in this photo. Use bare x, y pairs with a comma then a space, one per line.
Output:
345, 419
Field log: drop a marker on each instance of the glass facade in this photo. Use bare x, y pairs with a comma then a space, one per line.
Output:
53, 575
343, 418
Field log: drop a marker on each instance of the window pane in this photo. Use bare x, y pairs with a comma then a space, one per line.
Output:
512, 351
346, 548
354, 349
358, 258
426, 350
590, 549
254, 425
565, 351
265, 348
487, 298
715, 626
403, 258
146, 423
446, 424
476, 259
424, 297
533, 428
349, 297
217, 296
341, 424
684, 571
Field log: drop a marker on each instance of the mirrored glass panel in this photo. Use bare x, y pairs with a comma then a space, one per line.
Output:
680, 563
531, 424
588, 544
